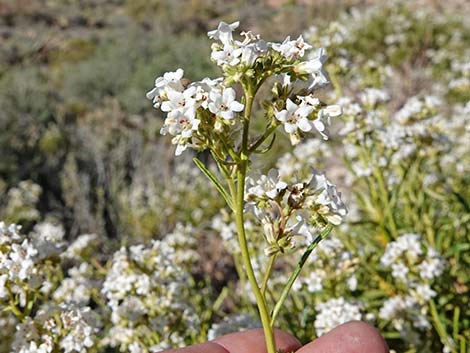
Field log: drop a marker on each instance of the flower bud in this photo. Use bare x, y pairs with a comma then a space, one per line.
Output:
269, 231
271, 250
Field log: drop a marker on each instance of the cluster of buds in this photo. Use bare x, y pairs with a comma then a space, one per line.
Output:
289, 210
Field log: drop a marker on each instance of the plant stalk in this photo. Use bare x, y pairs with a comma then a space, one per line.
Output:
239, 200
297, 270
260, 301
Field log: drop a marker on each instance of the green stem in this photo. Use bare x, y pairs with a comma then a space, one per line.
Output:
297, 270
263, 311
267, 274
239, 209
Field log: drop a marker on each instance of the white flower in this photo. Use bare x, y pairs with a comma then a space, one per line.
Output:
49, 232
169, 81
332, 207
314, 67
183, 102
266, 186
423, 293
229, 55
79, 245
407, 243
315, 281
80, 334
295, 117
431, 268
251, 52
392, 307
20, 263
223, 32
224, 104
400, 271
292, 49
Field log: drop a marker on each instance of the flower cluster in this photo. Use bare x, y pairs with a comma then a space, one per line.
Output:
66, 328
201, 113
144, 289
415, 264
20, 264
20, 205
296, 117
288, 210
181, 103
47, 288
411, 260
334, 312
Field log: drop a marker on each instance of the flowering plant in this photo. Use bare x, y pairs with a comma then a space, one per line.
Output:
207, 115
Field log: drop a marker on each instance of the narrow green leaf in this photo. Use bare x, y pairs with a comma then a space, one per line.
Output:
439, 326
455, 323
215, 181
267, 149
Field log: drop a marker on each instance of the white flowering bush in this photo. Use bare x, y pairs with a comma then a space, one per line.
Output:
56, 297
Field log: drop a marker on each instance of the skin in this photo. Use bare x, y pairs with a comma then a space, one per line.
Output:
352, 337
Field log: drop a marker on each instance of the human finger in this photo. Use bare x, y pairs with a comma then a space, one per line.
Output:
352, 337
251, 341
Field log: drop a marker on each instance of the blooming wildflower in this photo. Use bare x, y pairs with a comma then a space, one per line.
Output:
182, 102
292, 49
169, 81
66, 327
79, 245
77, 287
228, 55
223, 32
3, 289
314, 68
224, 104
295, 117
252, 51
48, 239
266, 186
20, 262
323, 119
80, 335
328, 198
431, 267
49, 232
423, 293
